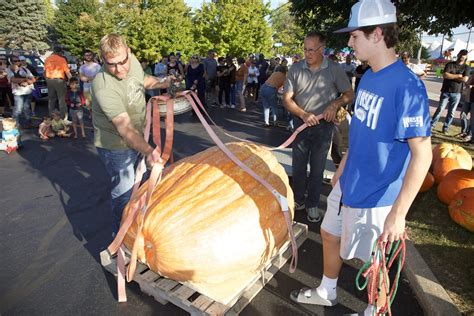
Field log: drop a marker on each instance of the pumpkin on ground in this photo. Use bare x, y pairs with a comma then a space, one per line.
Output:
427, 183
453, 182
443, 166
211, 223
453, 151
461, 208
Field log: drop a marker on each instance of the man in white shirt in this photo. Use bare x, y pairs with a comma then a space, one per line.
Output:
415, 68
22, 82
87, 73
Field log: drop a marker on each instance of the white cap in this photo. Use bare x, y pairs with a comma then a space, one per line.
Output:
22, 58
370, 12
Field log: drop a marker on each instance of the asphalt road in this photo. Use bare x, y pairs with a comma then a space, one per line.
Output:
54, 223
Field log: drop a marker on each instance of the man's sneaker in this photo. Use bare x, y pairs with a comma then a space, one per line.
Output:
313, 215
232, 106
299, 206
461, 135
467, 139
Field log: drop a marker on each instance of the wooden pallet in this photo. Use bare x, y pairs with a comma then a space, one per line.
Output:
182, 294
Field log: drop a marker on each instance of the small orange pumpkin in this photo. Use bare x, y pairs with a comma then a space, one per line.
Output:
453, 182
453, 151
427, 183
443, 166
461, 208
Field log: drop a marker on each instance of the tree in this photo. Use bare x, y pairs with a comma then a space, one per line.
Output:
432, 16
286, 32
67, 27
232, 27
23, 25
153, 28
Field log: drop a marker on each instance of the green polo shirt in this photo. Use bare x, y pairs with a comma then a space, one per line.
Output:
313, 91
111, 97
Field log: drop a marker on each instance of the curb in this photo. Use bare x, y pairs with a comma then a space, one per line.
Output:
432, 297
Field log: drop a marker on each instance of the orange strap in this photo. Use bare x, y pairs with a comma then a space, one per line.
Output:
142, 202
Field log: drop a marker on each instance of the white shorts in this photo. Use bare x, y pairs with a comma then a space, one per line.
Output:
358, 228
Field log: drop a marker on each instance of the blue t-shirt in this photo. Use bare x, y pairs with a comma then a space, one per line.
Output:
391, 106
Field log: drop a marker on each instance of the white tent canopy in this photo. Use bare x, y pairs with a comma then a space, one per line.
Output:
434, 48
458, 45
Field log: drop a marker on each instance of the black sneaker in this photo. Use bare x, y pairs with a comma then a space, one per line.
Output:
314, 215
299, 206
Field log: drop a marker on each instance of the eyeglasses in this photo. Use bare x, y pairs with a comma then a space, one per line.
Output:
121, 63
16, 61
311, 50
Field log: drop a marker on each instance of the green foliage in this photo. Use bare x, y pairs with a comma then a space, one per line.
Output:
22, 24
286, 32
432, 16
67, 27
152, 28
49, 12
232, 27
425, 54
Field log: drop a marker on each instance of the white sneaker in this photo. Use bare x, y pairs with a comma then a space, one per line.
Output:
232, 106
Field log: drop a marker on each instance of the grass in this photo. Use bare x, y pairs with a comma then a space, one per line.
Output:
447, 248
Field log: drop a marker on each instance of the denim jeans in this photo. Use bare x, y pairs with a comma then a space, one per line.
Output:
466, 126
22, 106
269, 101
232, 94
452, 101
120, 165
311, 145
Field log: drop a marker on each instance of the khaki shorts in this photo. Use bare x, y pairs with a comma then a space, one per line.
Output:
358, 228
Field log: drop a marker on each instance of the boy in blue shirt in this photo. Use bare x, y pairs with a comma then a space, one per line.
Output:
388, 156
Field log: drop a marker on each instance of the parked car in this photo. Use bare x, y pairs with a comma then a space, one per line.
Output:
40, 84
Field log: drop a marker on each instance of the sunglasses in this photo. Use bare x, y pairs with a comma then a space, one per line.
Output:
120, 63
16, 61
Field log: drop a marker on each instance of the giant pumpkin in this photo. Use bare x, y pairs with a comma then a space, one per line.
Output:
442, 166
461, 208
212, 224
453, 182
453, 151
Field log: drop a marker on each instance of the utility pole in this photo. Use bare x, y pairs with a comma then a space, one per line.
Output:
419, 51
468, 38
441, 50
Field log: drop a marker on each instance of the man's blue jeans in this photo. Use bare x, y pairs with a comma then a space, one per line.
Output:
22, 106
311, 145
452, 101
120, 165
466, 126
269, 101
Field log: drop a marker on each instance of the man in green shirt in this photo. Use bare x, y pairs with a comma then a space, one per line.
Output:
118, 107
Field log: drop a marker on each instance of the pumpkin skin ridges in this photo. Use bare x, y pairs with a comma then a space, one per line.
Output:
461, 208
238, 191
453, 151
453, 182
